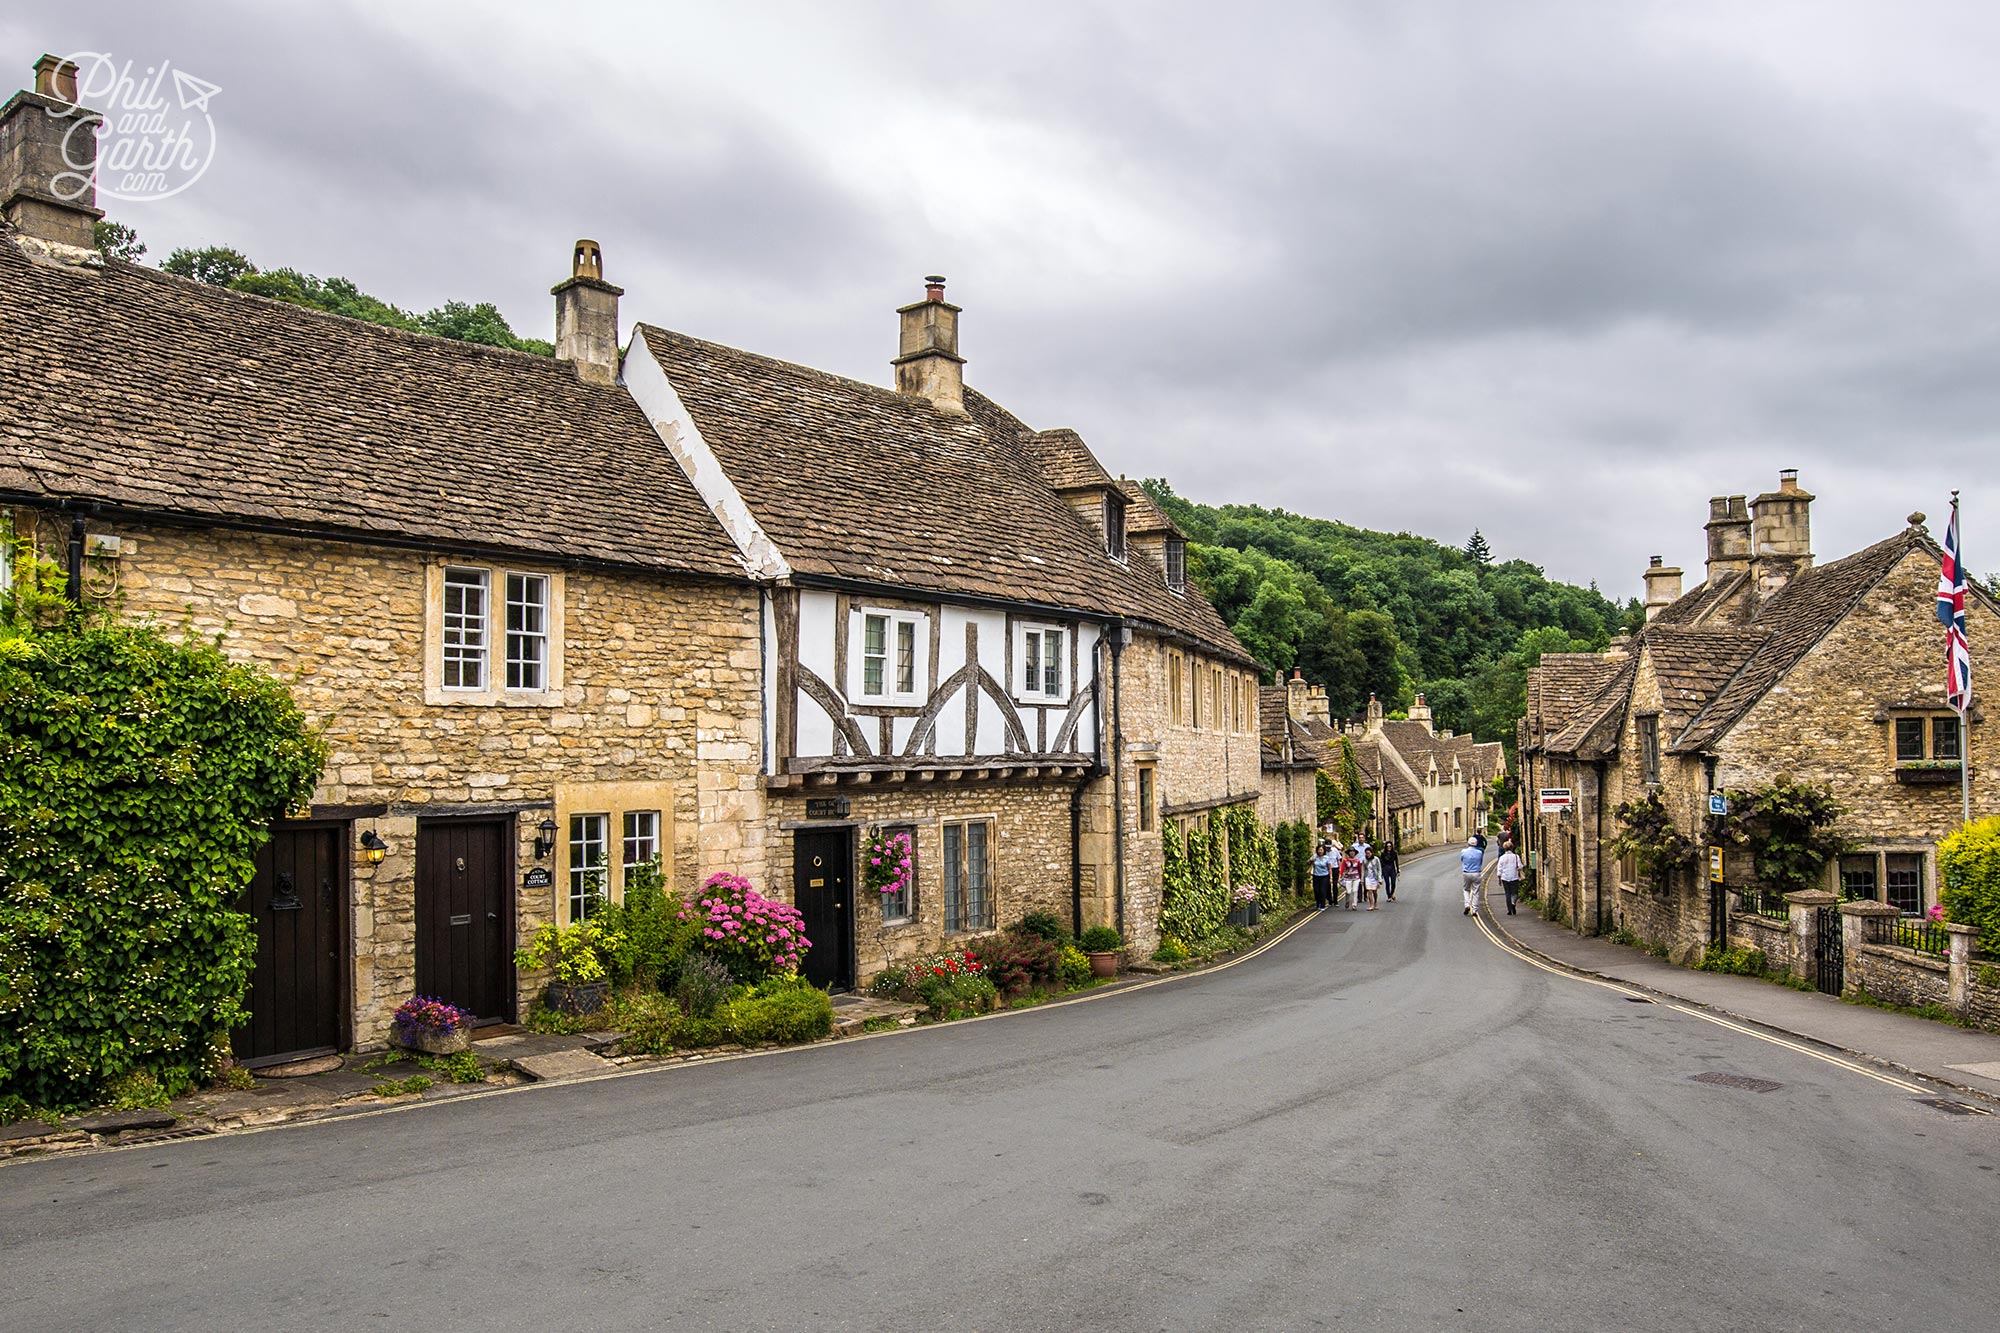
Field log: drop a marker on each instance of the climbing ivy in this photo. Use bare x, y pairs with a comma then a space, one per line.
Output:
1789, 827
142, 774
1648, 835
1253, 851
1194, 896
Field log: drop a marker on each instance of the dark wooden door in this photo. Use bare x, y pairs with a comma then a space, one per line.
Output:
298, 900
464, 916
822, 883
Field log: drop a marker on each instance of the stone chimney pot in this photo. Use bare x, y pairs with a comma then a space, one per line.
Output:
927, 361
587, 317
48, 167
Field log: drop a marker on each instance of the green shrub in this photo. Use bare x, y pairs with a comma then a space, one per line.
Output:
695, 1033
1170, 951
545, 1020
1624, 937
1736, 960
1046, 925
1969, 864
577, 953
786, 1010
1017, 962
136, 1091
1101, 939
651, 936
141, 776
459, 1067
1073, 968
413, 1086
702, 985
650, 1021
956, 993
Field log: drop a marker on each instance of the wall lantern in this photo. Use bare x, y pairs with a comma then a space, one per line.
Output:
372, 844
545, 839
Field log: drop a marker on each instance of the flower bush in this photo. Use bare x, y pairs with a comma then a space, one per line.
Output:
892, 859
754, 936
945, 983
1073, 968
1244, 894
1018, 962
423, 1014
577, 953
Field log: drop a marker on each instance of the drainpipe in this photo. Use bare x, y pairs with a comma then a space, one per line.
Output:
1597, 857
74, 588
1117, 775
1076, 849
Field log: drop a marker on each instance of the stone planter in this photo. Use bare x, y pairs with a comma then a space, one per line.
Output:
577, 999
432, 1042
1246, 915
1928, 775
1104, 964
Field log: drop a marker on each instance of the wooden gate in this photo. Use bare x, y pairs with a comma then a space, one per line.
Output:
298, 901
465, 915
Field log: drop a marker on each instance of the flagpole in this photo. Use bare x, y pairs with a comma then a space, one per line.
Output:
1965, 701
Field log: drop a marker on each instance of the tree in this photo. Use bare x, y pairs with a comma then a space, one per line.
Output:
482, 323
1477, 550
216, 265
115, 240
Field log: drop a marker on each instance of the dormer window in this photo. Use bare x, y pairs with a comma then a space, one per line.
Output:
1114, 525
1176, 563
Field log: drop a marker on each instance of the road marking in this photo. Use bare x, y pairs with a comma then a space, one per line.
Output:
1852, 1067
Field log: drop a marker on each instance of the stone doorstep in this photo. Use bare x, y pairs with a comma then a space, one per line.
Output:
575, 1063
851, 1019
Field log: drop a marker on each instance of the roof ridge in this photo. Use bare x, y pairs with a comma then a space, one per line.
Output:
311, 311
883, 391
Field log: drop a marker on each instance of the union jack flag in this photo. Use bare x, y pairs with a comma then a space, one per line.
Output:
1951, 611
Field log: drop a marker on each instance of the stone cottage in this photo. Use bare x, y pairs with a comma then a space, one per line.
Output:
533, 650
1452, 774
1774, 665
972, 634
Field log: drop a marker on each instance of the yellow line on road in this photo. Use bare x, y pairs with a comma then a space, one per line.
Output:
1849, 1065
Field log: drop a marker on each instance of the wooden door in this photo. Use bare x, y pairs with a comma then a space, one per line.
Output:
465, 915
822, 884
298, 901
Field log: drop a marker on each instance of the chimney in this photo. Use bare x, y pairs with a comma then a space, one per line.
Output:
1728, 538
1317, 708
927, 360
1663, 587
1421, 712
1782, 523
1295, 695
48, 166
587, 317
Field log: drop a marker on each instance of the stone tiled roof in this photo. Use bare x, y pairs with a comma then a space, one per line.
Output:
1384, 774
1414, 741
128, 387
1692, 665
1142, 515
1793, 620
1703, 602
860, 482
1562, 684
1282, 734
1591, 732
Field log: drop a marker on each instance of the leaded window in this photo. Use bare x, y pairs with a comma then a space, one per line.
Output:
968, 876
1903, 882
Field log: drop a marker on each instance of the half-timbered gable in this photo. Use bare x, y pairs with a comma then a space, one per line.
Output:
956, 602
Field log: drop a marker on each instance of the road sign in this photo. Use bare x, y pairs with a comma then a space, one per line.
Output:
1556, 799
1715, 862
1718, 804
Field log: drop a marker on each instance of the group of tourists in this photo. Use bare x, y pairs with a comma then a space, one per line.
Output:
1362, 875
1471, 865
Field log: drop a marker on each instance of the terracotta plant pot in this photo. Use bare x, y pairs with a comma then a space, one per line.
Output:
1104, 964
578, 999
432, 1042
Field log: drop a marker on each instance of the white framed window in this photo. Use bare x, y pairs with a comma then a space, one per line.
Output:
642, 838
890, 652
589, 848
968, 875
527, 631
465, 630
1041, 663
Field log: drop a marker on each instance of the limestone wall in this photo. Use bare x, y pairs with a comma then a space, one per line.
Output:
659, 687
1900, 976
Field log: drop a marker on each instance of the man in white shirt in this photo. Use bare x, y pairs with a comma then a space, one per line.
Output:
1508, 872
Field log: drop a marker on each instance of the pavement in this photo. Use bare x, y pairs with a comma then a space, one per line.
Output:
1387, 1120
1963, 1059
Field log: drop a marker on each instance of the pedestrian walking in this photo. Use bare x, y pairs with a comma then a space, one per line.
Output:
1508, 870
1322, 877
1470, 862
1349, 870
1371, 880
1391, 862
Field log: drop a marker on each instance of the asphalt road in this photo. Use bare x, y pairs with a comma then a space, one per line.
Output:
1382, 1123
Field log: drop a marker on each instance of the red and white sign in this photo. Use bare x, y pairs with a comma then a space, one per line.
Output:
1556, 799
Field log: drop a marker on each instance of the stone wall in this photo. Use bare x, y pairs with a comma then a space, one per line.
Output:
659, 686
1030, 859
1197, 768
1900, 976
1747, 930
1675, 918
1289, 795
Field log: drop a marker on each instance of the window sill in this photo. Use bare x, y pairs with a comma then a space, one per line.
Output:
442, 698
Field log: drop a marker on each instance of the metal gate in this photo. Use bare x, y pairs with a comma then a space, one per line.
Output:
1829, 953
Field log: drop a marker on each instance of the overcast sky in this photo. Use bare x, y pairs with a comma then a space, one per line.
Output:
1556, 270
